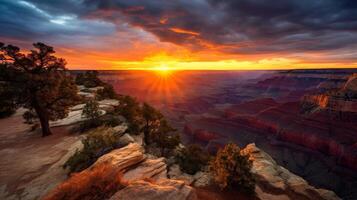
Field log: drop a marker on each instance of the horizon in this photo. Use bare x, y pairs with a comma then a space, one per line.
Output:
187, 35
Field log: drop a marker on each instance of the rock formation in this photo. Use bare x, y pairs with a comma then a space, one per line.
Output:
274, 180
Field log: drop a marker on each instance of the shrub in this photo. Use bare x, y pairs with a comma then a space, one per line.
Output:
192, 158
161, 138
231, 169
87, 125
89, 79
7, 103
97, 143
108, 120
95, 184
107, 92
30, 117
129, 108
152, 118
111, 120
91, 110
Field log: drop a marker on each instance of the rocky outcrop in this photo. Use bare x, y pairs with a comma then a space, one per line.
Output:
134, 164
343, 99
125, 140
75, 115
153, 169
123, 158
276, 181
200, 179
145, 178
164, 189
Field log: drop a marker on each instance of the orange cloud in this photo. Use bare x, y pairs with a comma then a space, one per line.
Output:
183, 31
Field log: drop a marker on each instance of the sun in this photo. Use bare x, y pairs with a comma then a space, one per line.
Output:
163, 70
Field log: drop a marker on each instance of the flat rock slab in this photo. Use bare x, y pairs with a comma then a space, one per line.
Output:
75, 115
151, 168
121, 159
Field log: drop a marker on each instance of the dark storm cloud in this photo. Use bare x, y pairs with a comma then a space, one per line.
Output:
234, 26
38, 21
242, 26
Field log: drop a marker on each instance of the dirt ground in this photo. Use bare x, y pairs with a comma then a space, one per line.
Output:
31, 165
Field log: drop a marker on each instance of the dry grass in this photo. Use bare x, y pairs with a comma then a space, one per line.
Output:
92, 184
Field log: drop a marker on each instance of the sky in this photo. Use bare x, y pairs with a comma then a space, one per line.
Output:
187, 34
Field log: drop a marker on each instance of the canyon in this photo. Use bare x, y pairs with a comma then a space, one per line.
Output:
268, 108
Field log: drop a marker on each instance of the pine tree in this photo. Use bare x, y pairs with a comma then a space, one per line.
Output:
39, 81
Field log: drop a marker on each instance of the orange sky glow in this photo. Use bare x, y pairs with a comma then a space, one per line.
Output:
186, 35
183, 59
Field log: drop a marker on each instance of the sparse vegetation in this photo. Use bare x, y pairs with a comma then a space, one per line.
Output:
162, 139
89, 79
107, 92
152, 119
130, 109
97, 142
192, 159
231, 169
95, 184
91, 110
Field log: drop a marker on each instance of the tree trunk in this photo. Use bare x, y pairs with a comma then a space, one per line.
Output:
146, 133
45, 126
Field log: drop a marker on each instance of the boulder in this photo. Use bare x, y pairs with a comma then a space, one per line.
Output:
109, 102
125, 140
153, 169
202, 179
86, 95
139, 138
163, 189
95, 89
274, 180
120, 129
122, 158
176, 173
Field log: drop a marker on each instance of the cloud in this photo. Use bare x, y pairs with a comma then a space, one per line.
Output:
238, 27
241, 26
28, 21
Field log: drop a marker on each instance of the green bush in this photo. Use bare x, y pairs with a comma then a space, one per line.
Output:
107, 92
108, 120
232, 169
87, 125
192, 158
111, 120
160, 137
89, 79
91, 110
97, 143
130, 109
